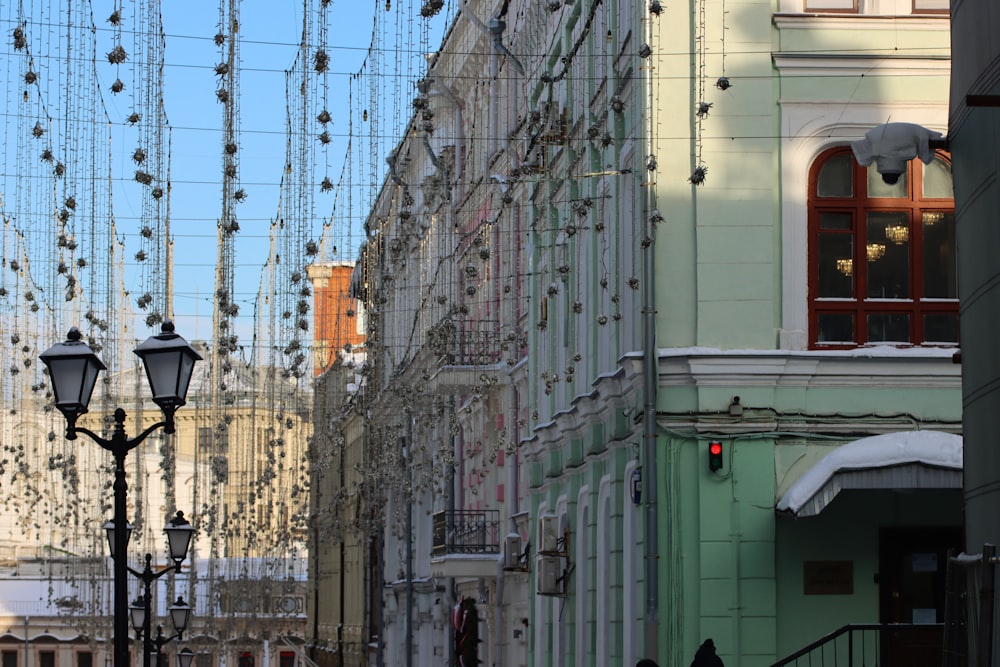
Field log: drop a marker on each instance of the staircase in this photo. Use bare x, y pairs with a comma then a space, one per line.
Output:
873, 645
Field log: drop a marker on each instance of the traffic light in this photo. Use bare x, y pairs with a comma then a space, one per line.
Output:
715, 456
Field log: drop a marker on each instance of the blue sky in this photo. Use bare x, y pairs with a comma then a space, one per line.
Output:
268, 48
376, 53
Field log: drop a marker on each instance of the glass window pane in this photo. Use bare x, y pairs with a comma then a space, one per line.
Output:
934, 6
941, 328
836, 327
889, 276
940, 263
836, 266
889, 328
820, 5
937, 180
835, 177
879, 188
829, 220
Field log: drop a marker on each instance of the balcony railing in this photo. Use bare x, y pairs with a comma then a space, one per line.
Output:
466, 532
467, 342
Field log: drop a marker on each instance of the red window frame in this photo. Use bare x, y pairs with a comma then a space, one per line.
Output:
858, 206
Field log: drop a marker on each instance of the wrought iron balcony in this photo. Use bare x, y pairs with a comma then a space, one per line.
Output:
467, 342
466, 543
466, 532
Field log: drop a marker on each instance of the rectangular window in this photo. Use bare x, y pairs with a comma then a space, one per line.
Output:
930, 6
940, 260
941, 328
208, 441
889, 276
831, 5
836, 266
203, 660
204, 438
287, 659
84, 659
9, 659
46, 659
836, 328
889, 328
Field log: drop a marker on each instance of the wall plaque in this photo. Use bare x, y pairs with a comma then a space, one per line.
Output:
828, 577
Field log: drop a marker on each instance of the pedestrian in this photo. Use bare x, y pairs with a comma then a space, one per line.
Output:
705, 656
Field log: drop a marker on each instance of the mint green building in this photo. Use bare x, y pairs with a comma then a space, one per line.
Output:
712, 265
653, 358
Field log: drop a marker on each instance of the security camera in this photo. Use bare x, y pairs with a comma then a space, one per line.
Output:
891, 145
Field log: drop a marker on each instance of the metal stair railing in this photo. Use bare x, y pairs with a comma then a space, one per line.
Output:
872, 645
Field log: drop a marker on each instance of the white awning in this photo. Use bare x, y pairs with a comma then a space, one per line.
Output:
905, 460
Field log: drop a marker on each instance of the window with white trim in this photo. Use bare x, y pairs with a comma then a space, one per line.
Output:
882, 258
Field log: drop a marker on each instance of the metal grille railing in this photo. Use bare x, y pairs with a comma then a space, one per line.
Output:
466, 532
882, 644
466, 342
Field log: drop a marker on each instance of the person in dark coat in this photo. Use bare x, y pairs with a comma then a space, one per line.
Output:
705, 656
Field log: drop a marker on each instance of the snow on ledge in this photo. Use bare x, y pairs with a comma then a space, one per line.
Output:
933, 449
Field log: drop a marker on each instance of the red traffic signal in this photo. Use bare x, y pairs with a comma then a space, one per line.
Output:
715, 456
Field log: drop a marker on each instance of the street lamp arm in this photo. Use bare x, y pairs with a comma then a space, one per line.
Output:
148, 575
119, 445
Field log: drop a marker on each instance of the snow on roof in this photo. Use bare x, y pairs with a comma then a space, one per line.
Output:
916, 450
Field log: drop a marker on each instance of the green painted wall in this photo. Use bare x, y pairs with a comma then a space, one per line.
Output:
847, 530
724, 523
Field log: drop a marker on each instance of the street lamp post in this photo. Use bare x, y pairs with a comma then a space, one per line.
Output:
73, 368
179, 533
180, 614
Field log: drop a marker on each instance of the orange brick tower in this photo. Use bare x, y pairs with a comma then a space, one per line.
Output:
339, 320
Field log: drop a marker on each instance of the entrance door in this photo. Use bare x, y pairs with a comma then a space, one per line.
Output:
913, 562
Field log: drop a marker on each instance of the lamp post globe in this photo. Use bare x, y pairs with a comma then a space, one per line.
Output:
109, 529
179, 532
137, 612
180, 614
169, 362
185, 657
73, 369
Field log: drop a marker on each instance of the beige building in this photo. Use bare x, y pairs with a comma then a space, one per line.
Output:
236, 468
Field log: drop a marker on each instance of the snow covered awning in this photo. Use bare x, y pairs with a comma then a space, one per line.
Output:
905, 460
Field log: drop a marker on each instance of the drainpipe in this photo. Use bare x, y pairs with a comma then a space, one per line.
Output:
379, 602
314, 557
450, 507
649, 387
498, 616
409, 545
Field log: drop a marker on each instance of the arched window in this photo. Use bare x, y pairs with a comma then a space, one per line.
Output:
882, 262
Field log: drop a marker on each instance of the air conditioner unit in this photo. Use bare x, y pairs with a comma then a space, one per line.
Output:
512, 552
549, 575
549, 529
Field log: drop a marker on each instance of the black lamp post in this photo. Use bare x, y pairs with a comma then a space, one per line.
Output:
179, 533
180, 615
73, 368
